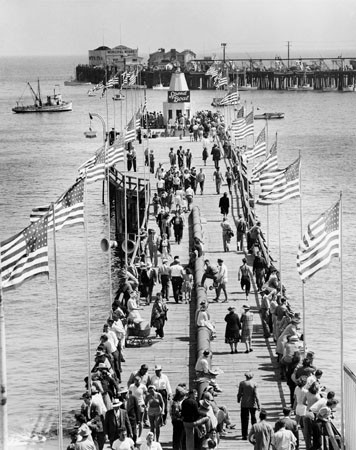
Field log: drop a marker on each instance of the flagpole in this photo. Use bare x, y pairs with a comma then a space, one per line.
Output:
125, 210
280, 249
3, 376
60, 425
107, 176
267, 205
301, 234
342, 330
87, 285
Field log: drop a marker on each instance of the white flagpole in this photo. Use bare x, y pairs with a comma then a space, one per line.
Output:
267, 205
87, 285
342, 330
301, 236
280, 249
60, 425
107, 176
3, 376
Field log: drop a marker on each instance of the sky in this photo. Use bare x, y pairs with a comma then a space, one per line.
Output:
248, 27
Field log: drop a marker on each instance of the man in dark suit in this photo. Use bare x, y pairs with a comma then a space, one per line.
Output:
115, 419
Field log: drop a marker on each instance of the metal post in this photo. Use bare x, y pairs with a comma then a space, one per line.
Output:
3, 378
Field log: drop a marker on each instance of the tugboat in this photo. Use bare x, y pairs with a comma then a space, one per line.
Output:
54, 103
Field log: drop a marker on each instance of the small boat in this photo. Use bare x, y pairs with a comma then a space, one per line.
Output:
306, 87
90, 134
349, 88
247, 87
160, 87
295, 87
54, 103
119, 96
269, 116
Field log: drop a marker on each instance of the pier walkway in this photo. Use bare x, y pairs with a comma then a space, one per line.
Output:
176, 352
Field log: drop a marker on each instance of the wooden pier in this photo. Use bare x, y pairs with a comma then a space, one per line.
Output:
176, 352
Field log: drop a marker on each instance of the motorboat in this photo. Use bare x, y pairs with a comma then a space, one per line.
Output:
269, 116
53, 103
119, 96
349, 88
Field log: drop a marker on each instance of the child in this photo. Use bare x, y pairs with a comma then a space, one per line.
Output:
187, 285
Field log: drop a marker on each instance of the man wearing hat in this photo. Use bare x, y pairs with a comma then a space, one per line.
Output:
163, 386
164, 275
221, 280
116, 419
261, 433
131, 406
85, 443
248, 397
177, 275
152, 244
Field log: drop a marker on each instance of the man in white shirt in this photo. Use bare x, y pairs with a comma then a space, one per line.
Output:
124, 442
177, 274
163, 386
222, 280
283, 439
139, 390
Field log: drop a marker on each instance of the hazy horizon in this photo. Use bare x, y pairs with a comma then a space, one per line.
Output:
248, 27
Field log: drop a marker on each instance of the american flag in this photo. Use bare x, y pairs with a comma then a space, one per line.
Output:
230, 99
130, 134
125, 78
236, 123
320, 243
115, 153
245, 127
95, 170
259, 149
132, 78
270, 164
220, 81
25, 255
213, 71
68, 209
98, 86
285, 185
112, 82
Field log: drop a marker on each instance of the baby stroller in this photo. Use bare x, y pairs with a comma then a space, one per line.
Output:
138, 334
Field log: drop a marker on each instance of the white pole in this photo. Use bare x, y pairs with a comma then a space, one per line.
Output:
301, 236
60, 425
107, 172
280, 249
342, 330
87, 286
3, 377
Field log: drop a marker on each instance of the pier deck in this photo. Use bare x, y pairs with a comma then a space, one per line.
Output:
176, 351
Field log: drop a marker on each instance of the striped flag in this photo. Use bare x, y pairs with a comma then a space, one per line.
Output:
259, 149
132, 78
320, 243
285, 185
96, 169
25, 255
98, 86
270, 164
213, 71
125, 78
245, 127
220, 81
230, 99
68, 209
112, 82
130, 134
115, 153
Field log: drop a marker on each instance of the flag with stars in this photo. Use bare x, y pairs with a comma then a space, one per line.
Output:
25, 255
259, 149
130, 134
95, 170
320, 243
285, 185
115, 153
270, 164
244, 127
68, 209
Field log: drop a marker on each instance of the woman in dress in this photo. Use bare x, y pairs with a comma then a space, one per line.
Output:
232, 330
154, 404
159, 315
247, 328
165, 246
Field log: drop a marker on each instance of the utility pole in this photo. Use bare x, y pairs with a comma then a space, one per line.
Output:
288, 46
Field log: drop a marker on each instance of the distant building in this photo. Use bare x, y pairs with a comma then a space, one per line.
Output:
162, 60
119, 57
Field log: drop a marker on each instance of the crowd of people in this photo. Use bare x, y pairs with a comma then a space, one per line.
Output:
118, 413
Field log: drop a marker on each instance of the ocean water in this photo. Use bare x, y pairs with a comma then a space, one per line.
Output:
39, 157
